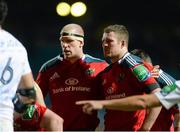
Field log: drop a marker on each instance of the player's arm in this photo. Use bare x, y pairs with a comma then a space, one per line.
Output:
51, 121
130, 103
151, 116
25, 94
26, 86
39, 97
167, 80
150, 85
167, 97
177, 121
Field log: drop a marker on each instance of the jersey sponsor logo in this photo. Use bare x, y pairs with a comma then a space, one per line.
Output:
168, 89
54, 76
71, 89
117, 96
141, 72
71, 81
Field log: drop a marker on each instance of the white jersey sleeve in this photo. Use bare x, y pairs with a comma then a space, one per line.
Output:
170, 99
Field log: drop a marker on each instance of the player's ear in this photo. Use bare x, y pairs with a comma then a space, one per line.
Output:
81, 44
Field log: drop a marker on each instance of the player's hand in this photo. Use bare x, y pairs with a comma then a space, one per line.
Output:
155, 71
89, 106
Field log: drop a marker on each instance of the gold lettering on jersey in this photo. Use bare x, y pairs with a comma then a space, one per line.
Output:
58, 90
117, 96
71, 89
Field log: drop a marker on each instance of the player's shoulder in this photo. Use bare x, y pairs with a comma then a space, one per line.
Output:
129, 60
90, 59
51, 63
8, 41
136, 66
9, 37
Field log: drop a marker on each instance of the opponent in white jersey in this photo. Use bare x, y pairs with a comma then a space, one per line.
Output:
15, 73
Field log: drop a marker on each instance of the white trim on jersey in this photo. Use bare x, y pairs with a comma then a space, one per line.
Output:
129, 59
165, 78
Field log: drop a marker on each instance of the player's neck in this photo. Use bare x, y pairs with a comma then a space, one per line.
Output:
73, 60
119, 56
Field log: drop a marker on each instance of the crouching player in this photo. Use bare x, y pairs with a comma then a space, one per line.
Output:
36, 117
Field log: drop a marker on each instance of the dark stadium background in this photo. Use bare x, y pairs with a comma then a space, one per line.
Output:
154, 26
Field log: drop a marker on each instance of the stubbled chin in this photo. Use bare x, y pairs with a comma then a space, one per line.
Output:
67, 53
107, 54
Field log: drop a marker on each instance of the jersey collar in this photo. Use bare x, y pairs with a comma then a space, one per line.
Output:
125, 55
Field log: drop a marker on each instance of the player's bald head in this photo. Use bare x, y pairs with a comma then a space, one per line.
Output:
73, 28
74, 31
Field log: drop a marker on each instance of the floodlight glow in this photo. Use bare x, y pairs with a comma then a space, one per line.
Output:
63, 9
78, 9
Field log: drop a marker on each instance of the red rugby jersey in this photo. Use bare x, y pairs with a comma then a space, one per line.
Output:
67, 83
124, 78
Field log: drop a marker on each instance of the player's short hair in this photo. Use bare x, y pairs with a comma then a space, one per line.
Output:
120, 30
3, 11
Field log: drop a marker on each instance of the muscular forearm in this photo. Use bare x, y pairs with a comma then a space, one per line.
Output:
51, 121
39, 96
125, 104
151, 116
132, 103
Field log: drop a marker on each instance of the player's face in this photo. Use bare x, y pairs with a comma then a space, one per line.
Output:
71, 47
111, 45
